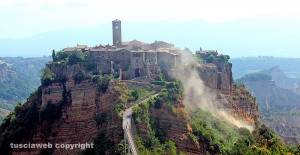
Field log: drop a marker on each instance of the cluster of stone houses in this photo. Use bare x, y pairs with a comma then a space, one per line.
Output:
132, 59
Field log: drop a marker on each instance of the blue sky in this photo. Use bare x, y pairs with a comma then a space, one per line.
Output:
235, 27
23, 18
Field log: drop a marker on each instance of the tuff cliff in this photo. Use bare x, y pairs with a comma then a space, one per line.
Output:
235, 98
65, 112
73, 108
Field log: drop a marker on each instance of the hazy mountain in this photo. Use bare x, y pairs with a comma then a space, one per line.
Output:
244, 37
279, 108
289, 66
18, 78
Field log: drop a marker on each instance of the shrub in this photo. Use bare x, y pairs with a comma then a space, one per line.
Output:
79, 77
224, 58
76, 57
103, 82
161, 83
47, 76
210, 59
60, 56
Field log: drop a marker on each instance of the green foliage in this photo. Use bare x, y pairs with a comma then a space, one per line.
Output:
19, 79
61, 56
161, 83
79, 77
119, 107
153, 147
53, 55
224, 58
47, 76
254, 77
141, 112
222, 138
102, 81
101, 118
173, 92
136, 94
219, 136
102, 145
19, 125
155, 142
198, 59
74, 57
210, 59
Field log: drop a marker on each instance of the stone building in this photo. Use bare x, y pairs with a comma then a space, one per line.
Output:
131, 59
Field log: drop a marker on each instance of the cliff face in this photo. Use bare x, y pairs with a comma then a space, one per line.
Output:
77, 112
216, 76
68, 114
177, 128
236, 99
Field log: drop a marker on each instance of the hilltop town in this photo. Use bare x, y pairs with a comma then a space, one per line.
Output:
134, 59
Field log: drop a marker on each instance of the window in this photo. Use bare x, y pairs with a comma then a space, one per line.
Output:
136, 60
117, 27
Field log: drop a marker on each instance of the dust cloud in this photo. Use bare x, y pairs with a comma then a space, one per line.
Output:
197, 95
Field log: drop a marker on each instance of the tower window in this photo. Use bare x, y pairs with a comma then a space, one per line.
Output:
117, 27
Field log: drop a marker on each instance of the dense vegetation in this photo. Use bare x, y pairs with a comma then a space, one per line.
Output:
222, 138
68, 59
155, 142
20, 123
210, 57
18, 78
254, 77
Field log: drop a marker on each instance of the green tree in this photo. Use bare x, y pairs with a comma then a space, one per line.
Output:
61, 56
53, 55
47, 76
76, 57
210, 59
224, 58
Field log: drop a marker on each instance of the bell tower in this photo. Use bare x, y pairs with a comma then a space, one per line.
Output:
117, 33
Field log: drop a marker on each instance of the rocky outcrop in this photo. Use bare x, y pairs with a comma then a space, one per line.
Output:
176, 128
216, 76
78, 123
240, 103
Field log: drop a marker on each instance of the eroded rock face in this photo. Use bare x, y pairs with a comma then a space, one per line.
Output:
216, 76
237, 100
177, 128
77, 123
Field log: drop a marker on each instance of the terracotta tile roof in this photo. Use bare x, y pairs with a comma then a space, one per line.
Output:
81, 46
70, 49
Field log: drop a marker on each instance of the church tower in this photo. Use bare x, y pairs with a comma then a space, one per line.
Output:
117, 33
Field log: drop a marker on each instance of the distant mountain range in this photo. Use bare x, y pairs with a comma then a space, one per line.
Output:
288, 66
278, 100
239, 38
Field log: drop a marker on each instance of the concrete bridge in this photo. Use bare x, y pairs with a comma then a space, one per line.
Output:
130, 145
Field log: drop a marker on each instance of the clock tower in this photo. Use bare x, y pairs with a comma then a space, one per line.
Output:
117, 33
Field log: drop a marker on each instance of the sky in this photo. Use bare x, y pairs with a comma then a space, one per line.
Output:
24, 18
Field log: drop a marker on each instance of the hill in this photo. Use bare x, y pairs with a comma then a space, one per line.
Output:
87, 107
245, 65
18, 78
279, 108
